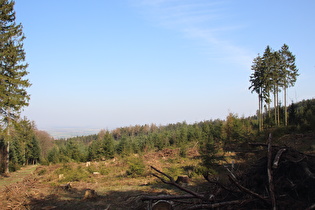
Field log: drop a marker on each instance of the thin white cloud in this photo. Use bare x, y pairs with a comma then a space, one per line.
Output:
201, 20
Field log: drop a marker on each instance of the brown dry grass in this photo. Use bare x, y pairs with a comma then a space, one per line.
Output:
44, 188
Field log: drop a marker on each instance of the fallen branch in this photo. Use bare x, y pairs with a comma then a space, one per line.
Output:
277, 158
311, 207
172, 182
248, 191
219, 184
270, 178
217, 205
307, 170
167, 197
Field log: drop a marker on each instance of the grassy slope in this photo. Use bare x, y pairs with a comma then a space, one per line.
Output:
115, 189
17, 176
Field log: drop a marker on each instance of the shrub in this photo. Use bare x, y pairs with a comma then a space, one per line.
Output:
175, 171
136, 167
72, 174
102, 169
41, 172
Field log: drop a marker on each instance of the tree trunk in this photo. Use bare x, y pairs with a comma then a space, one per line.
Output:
261, 114
275, 105
278, 107
7, 149
7, 158
285, 107
259, 123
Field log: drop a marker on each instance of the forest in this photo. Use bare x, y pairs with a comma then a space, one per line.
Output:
211, 137
22, 144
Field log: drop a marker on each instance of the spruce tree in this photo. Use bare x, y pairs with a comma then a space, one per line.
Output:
256, 86
273, 71
13, 94
289, 72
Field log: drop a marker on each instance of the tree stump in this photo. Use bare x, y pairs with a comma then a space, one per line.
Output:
66, 186
89, 194
182, 180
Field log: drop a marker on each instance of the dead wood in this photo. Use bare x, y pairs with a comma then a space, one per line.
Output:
167, 197
277, 158
270, 178
282, 178
246, 190
311, 207
66, 186
217, 183
90, 194
217, 205
172, 182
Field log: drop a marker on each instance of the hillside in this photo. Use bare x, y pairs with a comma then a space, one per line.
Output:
119, 183
124, 181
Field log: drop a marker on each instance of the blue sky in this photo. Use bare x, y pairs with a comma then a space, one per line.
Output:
107, 64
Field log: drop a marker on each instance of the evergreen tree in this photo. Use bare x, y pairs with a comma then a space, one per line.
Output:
274, 76
256, 86
13, 95
289, 72
54, 155
108, 145
259, 84
34, 149
273, 71
24, 136
209, 153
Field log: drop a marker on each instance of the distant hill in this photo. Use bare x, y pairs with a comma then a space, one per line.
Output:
68, 132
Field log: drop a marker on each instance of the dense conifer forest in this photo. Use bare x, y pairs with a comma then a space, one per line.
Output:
211, 137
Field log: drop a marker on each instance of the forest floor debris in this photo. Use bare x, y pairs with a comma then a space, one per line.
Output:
293, 176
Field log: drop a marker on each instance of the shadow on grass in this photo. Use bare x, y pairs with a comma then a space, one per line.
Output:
74, 199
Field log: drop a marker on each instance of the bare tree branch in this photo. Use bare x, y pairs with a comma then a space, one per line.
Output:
219, 184
172, 182
248, 191
168, 197
277, 158
217, 205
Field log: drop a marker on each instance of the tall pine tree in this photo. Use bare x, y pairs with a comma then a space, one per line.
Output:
13, 94
273, 71
290, 73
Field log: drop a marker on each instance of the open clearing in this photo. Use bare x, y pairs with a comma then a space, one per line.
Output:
113, 184
46, 187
